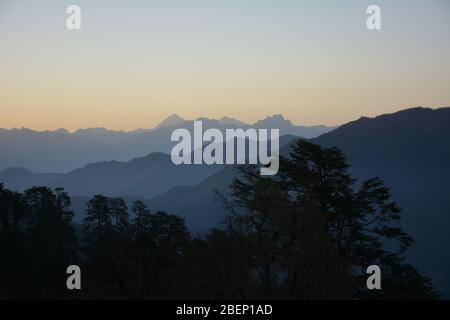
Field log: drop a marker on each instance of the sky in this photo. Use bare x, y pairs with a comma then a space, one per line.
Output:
134, 63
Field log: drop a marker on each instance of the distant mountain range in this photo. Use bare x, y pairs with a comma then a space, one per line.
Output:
141, 177
61, 151
409, 150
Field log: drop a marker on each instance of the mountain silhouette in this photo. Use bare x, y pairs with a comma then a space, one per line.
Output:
230, 121
197, 204
61, 151
278, 121
409, 150
173, 120
141, 177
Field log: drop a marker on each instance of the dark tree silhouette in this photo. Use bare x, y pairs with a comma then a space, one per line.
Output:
39, 242
106, 228
12, 243
142, 220
137, 259
311, 233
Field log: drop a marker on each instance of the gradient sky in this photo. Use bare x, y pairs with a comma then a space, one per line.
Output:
136, 62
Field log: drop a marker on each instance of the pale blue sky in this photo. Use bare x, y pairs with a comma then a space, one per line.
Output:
135, 62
